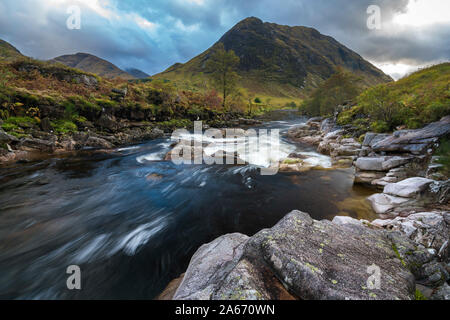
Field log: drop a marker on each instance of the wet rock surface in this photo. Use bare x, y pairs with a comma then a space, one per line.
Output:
312, 259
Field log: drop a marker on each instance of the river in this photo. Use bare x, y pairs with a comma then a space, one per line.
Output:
132, 221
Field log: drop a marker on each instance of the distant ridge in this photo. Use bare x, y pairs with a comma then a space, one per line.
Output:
90, 63
137, 73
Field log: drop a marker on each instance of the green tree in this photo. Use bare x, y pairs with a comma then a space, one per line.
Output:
380, 104
342, 87
222, 66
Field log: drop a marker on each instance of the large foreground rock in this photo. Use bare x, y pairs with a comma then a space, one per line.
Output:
312, 259
209, 266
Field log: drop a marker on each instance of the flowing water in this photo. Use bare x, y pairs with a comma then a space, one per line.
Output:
132, 221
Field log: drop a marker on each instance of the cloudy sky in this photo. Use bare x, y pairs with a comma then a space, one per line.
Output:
153, 34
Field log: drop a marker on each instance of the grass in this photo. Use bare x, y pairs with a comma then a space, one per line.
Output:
414, 101
419, 295
64, 126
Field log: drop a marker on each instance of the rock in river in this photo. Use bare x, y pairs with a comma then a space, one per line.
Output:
311, 259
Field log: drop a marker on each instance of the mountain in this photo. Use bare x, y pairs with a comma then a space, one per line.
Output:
8, 52
137, 73
93, 64
279, 60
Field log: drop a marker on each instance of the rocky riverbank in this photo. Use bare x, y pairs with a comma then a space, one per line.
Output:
301, 258
40, 143
379, 159
107, 133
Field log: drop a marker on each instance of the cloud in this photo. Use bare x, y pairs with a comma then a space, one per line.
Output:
153, 34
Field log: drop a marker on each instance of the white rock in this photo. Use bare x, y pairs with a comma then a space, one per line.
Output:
370, 164
342, 220
383, 203
408, 188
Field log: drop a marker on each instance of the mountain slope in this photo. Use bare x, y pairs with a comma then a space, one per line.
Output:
137, 73
93, 64
421, 98
8, 52
279, 60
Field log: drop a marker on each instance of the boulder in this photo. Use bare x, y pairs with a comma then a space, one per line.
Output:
209, 267
383, 203
370, 164
408, 188
96, 142
312, 259
108, 122
324, 260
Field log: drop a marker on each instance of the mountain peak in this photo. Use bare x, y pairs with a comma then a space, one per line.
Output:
280, 60
250, 21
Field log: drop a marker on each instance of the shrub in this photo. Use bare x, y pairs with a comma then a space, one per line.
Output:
443, 152
341, 88
104, 103
379, 126
257, 100
436, 111
64, 126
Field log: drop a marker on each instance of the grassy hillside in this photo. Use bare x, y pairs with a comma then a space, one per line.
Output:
73, 100
412, 102
8, 52
277, 61
93, 64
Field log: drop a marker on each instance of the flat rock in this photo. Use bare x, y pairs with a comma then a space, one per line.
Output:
380, 163
372, 138
408, 188
414, 141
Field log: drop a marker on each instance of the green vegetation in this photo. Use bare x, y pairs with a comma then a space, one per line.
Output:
411, 102
222, 66
64, 126
341, 88
419, 295
8, 52
443, 152
71, 100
